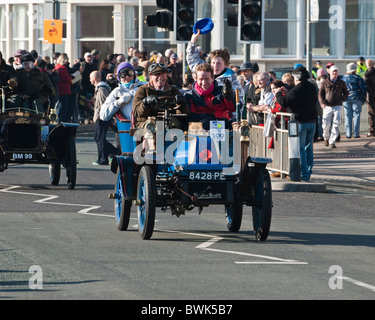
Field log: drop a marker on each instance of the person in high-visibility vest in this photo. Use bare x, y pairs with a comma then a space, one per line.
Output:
361, 67
318, 65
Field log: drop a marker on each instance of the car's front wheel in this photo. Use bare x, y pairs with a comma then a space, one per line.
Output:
262, 210
54, 173
146, 196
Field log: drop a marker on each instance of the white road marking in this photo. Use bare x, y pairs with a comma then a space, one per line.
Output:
205, 246
274, 260
358, 283
46, 199
269, 262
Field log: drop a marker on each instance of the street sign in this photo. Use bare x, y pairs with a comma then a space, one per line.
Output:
314, 11
53, 31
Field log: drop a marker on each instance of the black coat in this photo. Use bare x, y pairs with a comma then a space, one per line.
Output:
6, 73
301, 100
370, 82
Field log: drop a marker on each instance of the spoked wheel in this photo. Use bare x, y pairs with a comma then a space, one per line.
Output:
54, 173
146, 196
122, 206
71, 165
262, 210
234, 217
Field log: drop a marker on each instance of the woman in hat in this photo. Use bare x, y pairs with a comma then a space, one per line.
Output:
122, 97
357, 96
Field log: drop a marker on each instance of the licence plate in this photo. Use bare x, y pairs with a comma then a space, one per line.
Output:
23, 156
206, 175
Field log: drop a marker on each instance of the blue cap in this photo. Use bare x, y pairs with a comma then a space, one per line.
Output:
204, 25
297, 65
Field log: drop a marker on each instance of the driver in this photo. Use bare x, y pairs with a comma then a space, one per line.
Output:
35, 85
208, 100
146, 98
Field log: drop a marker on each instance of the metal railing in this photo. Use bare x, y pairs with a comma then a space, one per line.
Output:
259, 145
364, 127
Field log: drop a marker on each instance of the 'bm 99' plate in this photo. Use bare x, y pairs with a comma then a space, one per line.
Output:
22, 156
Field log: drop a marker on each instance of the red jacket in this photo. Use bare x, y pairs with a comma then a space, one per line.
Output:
65, 83
210, 102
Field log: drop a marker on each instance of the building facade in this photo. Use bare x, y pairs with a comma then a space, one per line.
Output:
345, 31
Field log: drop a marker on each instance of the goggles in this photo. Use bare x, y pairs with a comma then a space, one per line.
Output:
28, 64
126, 73
156, 65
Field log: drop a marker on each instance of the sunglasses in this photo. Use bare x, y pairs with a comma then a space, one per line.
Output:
126, 73
155, 65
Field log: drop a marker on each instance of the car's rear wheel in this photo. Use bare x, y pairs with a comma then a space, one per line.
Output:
234, 217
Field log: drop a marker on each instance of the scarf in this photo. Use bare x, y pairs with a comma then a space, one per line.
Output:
203, 92
127, 85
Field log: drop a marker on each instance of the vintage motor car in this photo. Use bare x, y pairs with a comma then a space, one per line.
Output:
183, 170
28, 136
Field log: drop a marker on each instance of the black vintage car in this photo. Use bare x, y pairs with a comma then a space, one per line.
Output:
30, 136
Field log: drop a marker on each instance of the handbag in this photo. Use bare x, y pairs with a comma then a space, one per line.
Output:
269, 126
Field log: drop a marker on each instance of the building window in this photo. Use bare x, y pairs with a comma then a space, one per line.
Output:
91, 37
2, 29
153, 38
323, 35
360, 28
280, 33
20, 27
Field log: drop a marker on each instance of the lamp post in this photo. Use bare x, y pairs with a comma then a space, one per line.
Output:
308, 37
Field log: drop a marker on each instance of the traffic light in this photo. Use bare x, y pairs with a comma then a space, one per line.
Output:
250, 17
232, 13
185, 19
164, 17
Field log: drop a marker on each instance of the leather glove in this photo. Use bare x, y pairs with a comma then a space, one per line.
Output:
47, 89
181, 101
227, 89
12, 83
151, 101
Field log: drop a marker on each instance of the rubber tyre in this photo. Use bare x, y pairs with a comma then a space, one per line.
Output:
234, 217
122, 206
146, 195
262, 210
71, 167
54, 173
